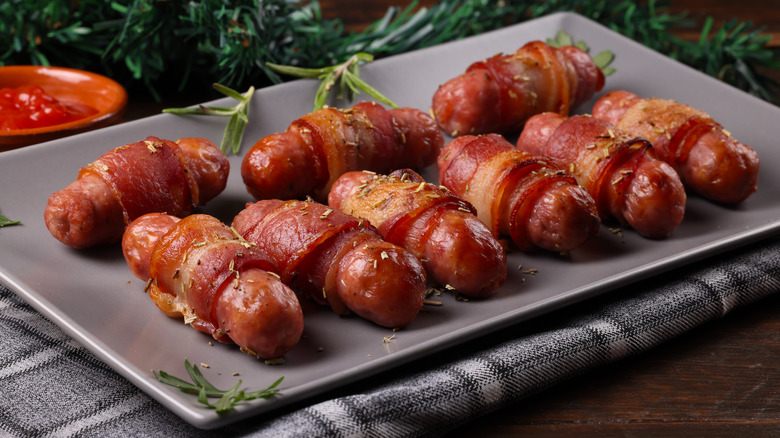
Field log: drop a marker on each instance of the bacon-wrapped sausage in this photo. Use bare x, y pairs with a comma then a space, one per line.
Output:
199, 269
336, 259
708, 159
316, 149
524, 196
619, 171
500, 93
441, 229
151, 175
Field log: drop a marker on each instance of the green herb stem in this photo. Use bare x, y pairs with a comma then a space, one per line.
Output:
239, 116
345, 76
5, 222
602, 59
155, 43
200, 386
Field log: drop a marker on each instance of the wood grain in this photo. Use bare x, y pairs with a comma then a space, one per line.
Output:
356, 14
721, 379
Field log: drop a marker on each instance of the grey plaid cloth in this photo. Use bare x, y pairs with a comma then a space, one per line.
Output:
52, 386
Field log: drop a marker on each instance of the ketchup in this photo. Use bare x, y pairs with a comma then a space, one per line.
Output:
29, 106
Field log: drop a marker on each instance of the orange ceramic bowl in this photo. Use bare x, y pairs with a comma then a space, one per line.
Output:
69, 86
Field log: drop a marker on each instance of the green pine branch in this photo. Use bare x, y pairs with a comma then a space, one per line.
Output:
151, 42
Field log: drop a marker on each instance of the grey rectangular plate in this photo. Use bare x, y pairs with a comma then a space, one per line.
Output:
94, 298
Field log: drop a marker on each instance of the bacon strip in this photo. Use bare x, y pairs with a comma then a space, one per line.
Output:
159, 182
336, 259
151, 175
519, 194
619, 171
439, 228
498, 94
200, 270
708, 159
317, 148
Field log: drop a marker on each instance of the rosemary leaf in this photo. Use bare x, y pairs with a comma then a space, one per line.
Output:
4, 221
323, 90
563, 39
238, 116
264, 393
234, 132
210, 111
229, 92
198, 378
371, 91
174, 381
602, 59
203, 398
345, 75
606, 71
297, 71
228, 399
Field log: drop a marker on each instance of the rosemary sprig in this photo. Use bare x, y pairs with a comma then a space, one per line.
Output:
4, 221
346, 75
728, 53
228, 398
602, 59
234, 131
154, 42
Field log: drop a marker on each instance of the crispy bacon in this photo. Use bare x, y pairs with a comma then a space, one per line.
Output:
317, 148
708, 159
524, 196
438, 227
619, 171
498, 94
200, 270
336, 259
151, 175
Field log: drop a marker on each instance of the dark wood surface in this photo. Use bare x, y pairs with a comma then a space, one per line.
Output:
721, 379
357, 13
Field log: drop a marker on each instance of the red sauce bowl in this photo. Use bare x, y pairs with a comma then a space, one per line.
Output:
70, 87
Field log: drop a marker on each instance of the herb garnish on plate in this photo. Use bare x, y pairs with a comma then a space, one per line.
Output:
228, 399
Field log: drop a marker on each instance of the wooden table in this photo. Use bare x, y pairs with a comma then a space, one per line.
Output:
721, 379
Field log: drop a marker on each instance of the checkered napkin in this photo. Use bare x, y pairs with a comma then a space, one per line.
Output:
51, 386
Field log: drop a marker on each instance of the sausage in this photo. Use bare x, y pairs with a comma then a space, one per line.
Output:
439, 228
317, 148
151, 175
524, 196
619, 171
199, 270
139, 241
336, 260
498, 94
708, 159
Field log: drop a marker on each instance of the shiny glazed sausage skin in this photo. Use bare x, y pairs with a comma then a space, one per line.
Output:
439, 228
498, 94
151, 175
336, 259
708, 159
198, 269
317, 148
517, 194
619, 171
